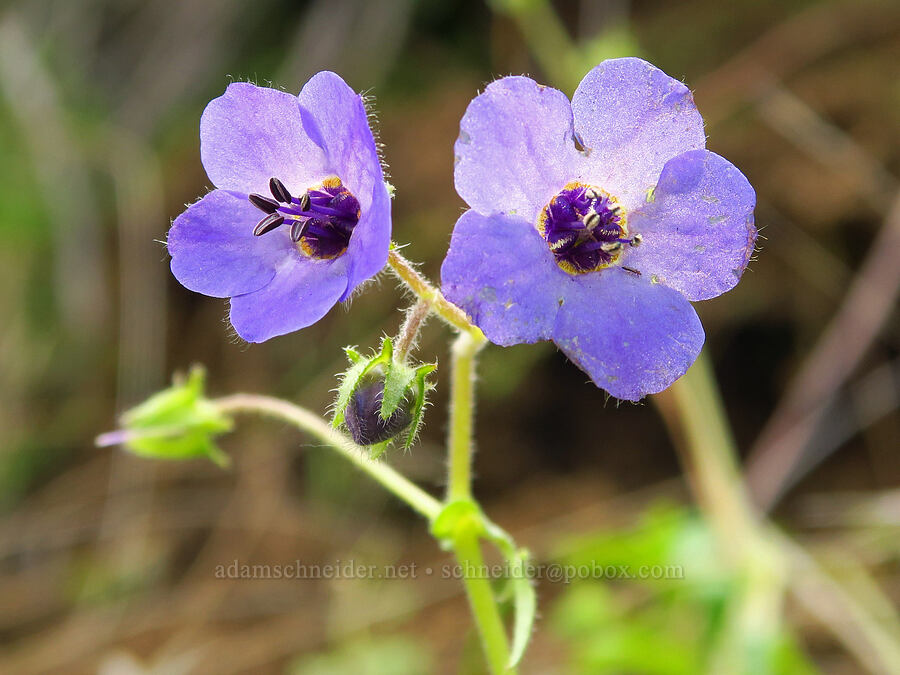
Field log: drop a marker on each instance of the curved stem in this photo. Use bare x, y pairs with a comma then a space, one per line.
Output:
425, 291
409, 331
397, 484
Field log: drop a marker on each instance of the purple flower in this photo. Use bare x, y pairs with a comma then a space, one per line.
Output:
301, 215
593, 224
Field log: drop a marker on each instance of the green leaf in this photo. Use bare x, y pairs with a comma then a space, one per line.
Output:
525, 603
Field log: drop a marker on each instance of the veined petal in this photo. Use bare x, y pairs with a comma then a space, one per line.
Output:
335, 118
214, 251
367, 252
501, 273
631, 336
515, 148
250, 134
301, 293
633, 118
698, 232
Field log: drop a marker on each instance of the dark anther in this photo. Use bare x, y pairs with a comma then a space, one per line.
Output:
268, 224
591, 220
279, 191
632, 270
263, 203
636, 240
298, 227
304, 202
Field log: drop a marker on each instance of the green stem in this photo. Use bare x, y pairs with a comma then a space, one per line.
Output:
466, 544
425, 291
710, 458
397, 484
462, 396
482, 602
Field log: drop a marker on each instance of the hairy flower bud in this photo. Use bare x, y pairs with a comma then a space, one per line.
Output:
363, 415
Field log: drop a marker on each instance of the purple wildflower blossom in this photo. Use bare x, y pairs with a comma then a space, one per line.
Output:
301, 215
594, 223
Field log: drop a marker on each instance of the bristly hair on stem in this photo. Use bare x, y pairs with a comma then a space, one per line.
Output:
416, 315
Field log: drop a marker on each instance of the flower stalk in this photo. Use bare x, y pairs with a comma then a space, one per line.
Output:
423, 289
395, 483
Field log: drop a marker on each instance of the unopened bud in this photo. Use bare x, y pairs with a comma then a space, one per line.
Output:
363, 416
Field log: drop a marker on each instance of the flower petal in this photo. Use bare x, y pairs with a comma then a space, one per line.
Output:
501, 273
367, 252
214, 251
633, 118
698, 232
334, 116
250, 134
301, 293
516, 148
631, 336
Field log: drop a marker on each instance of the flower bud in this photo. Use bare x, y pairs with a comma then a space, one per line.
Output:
363, 415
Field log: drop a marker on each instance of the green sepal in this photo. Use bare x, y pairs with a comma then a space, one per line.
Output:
352, 377
396, 381
403, 385
377, 450
418, 411
177, 423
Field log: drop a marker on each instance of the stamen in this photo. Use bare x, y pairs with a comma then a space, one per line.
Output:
632, 270
268, 224
591, 193
304, 202
636, 240
279, 191
298, 227
591, 220
263, 203
610, 247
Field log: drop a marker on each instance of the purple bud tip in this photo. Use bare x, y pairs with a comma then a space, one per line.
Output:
363, 416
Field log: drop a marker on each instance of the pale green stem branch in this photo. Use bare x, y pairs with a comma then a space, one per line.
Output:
462, 396
425, 291
466, 544
710, 456
303, 419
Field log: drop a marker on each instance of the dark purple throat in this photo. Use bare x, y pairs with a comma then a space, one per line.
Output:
320, 221
585, 229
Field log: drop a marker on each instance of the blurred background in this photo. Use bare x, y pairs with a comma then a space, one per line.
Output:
107, 561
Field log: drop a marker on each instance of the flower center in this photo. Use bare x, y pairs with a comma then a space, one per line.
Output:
321, 220
585, 229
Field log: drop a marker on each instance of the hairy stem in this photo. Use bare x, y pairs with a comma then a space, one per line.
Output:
412, 324
303, 419
462, 405
466, 544
425, 291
